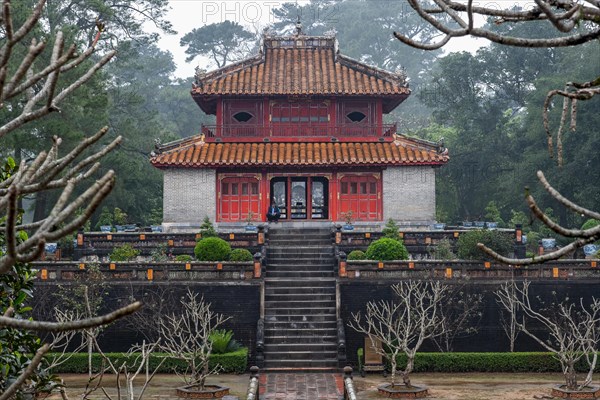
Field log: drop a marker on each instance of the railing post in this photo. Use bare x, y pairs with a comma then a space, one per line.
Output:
254, 385
341, 334
349, 391
260, 342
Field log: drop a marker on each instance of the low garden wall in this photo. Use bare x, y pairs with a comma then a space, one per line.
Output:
101, 244
418, 242
467, 270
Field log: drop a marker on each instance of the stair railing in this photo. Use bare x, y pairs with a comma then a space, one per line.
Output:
341, 335
260, 343
349, 390
253, 385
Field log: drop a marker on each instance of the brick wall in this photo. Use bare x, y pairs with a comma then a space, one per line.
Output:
189, 196
409, 194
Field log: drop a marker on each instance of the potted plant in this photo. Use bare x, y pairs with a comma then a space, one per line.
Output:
187, 336
348, 217
250, 227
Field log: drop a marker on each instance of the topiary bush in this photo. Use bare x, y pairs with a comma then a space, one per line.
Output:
240, 255
386, 249
212, 249
207, 229
356, 255
467, 249
124, 253
391, 230
183, 258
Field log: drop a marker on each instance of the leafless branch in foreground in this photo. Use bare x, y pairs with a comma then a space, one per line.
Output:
30, 89
575, 23
402, 327
584, 236
571, 330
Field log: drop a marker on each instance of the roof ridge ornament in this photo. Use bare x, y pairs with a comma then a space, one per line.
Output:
299, 27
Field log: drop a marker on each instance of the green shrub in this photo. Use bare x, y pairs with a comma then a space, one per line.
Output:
220, 339
498, 241
442, 250
240, 255
124, 253
356, 255
386, 249
391, 230
231, 363
207, 229
212, 249
184, 258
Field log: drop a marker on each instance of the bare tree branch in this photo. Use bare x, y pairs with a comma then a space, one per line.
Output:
70, 325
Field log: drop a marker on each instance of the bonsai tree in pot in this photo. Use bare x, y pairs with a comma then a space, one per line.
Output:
402, 327
186, 336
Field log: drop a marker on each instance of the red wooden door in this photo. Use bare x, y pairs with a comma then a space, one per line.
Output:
360, 194
239, 197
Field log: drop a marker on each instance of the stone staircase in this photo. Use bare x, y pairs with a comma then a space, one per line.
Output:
300, 304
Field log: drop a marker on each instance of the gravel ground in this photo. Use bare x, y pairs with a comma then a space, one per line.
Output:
470, 386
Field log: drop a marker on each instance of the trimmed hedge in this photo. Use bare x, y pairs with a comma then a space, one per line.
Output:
386, 249
356, 255
212, 249
484, 362
240, 255
232, 363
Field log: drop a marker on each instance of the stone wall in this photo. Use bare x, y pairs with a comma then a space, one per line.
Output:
409, 195
490, 335
238, 300
189, 196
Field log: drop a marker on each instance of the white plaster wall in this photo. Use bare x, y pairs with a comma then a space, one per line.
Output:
189, 196
409, 194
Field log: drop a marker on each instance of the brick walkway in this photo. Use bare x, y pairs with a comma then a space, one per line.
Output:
301, 386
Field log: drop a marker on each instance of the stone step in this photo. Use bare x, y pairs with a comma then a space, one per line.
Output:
293, 304
304, 311
283, 297
305, 267
301, 263
310, 282
320, 346
287, 365
285, 338
298, 231
299, 290
299, 274
292, 255
309, 352
301, 326
300, 241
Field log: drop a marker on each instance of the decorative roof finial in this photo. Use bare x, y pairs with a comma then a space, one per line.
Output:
298, 26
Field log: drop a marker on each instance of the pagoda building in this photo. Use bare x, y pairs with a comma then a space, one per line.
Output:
301, 125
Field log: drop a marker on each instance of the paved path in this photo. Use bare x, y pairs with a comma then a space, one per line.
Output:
301, 386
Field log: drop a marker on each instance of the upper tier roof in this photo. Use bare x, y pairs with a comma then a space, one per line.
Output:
194, 152
300, 66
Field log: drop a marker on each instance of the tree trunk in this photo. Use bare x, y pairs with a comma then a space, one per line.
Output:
410, 362
571, 377
393, 372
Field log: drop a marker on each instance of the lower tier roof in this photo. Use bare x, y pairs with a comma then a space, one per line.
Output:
196, 153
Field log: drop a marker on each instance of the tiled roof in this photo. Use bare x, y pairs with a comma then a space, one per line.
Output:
402, 151
300, 66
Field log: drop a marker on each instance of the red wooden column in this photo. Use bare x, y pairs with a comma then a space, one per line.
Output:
265, 193
333, 196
